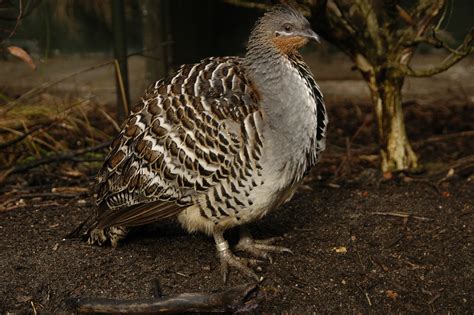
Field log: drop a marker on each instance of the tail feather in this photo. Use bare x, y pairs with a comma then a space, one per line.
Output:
78, 231
139, 214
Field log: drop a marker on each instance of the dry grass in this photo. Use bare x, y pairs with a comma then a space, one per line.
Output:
51, 125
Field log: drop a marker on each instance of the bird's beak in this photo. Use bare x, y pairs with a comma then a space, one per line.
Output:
310, 34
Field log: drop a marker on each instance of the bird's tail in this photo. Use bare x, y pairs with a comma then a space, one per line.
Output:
82, 229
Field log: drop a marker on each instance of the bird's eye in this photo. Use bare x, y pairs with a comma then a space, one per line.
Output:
287, 27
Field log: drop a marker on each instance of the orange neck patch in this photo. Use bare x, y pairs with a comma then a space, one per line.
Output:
289, 45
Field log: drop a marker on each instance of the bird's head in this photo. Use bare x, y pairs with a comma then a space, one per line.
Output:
285, 28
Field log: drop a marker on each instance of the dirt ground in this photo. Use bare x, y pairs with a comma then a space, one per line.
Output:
362, 242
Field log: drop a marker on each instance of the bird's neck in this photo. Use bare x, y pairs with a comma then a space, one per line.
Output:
266, 65
277, 79
287, 99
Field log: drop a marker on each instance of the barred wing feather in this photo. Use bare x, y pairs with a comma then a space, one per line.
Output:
188, 133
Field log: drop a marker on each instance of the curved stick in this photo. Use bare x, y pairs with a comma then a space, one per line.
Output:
227, 300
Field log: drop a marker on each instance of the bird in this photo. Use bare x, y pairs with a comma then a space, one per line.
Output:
219, 144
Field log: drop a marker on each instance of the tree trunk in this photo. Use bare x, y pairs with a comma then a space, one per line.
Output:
395, 149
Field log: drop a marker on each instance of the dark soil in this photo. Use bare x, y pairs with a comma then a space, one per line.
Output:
362, 242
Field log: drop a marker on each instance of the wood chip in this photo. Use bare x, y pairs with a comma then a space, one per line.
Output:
391, 294
340, 249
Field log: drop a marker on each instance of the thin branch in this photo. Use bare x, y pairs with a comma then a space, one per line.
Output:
264, 6
18, 18
463, 163
327, 18
249, 4
424, 13
46, 86
456, 55
336, 9
429, 16
38, 90
21, 137
68, 156
372, 26
47, 195
28, 9
445, 65
457, 135
110, 119
433, 41
404, 15
442, 44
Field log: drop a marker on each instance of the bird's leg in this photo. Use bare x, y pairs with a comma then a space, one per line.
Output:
228, 259
259, 248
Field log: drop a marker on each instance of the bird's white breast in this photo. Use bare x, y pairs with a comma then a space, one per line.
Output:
289, 135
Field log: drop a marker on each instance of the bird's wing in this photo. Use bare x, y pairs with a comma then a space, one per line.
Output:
188, 133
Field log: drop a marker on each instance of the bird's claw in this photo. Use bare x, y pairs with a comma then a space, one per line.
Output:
261, 248
228, 259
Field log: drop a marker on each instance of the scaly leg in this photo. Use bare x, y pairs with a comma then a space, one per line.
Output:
259, 248
228, 259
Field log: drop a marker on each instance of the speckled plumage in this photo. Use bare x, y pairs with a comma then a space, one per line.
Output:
218, 144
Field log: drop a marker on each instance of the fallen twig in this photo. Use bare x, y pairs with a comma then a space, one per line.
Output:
300, 289
35, 312
395, 241
51, 195
402, 215
434, 298
69, 156
224, 301
447, 171
6, 209
368, 298
346, 160
458, 165
449, 136
24, 135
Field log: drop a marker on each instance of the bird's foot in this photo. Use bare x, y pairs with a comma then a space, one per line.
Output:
261, 248
113, 234
243, 265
